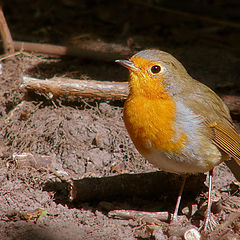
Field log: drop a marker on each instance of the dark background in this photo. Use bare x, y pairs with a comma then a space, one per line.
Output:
204, 35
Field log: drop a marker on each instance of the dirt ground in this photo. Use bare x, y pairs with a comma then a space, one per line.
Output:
44, 142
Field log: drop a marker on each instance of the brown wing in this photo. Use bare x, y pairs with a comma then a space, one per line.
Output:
217, 119
227, 139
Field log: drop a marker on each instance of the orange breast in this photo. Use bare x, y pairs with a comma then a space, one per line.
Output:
150, 124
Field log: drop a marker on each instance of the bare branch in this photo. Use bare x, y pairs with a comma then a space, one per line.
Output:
86, 49
5, 33
73, 89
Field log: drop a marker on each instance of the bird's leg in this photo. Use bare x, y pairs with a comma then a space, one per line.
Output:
175, 215
207, 221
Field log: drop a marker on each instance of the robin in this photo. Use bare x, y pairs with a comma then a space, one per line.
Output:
177, 123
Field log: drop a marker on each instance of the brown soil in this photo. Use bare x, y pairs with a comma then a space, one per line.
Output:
42, 138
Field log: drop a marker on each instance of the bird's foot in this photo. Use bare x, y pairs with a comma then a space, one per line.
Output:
209, 223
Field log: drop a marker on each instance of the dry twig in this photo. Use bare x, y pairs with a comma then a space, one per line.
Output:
150, 217
73, 89
5, 33
86, 49
124, 185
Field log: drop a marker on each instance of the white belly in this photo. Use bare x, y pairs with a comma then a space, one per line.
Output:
181, 164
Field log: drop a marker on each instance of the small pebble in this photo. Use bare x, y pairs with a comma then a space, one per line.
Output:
192, 234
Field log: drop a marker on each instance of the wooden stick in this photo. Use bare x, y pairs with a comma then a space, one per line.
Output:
137, 215
5, 33
86, 49
40, 47
73, 89
128, 185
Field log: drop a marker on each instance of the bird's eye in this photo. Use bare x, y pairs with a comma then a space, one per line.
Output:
155, 69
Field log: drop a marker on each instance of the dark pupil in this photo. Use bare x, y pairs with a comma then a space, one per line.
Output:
155, 69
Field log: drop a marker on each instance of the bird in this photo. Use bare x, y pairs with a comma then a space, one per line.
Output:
176, 122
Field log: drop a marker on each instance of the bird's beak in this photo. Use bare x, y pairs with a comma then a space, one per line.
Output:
127, 64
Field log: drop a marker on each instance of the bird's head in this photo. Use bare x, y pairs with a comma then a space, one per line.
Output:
155, 74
